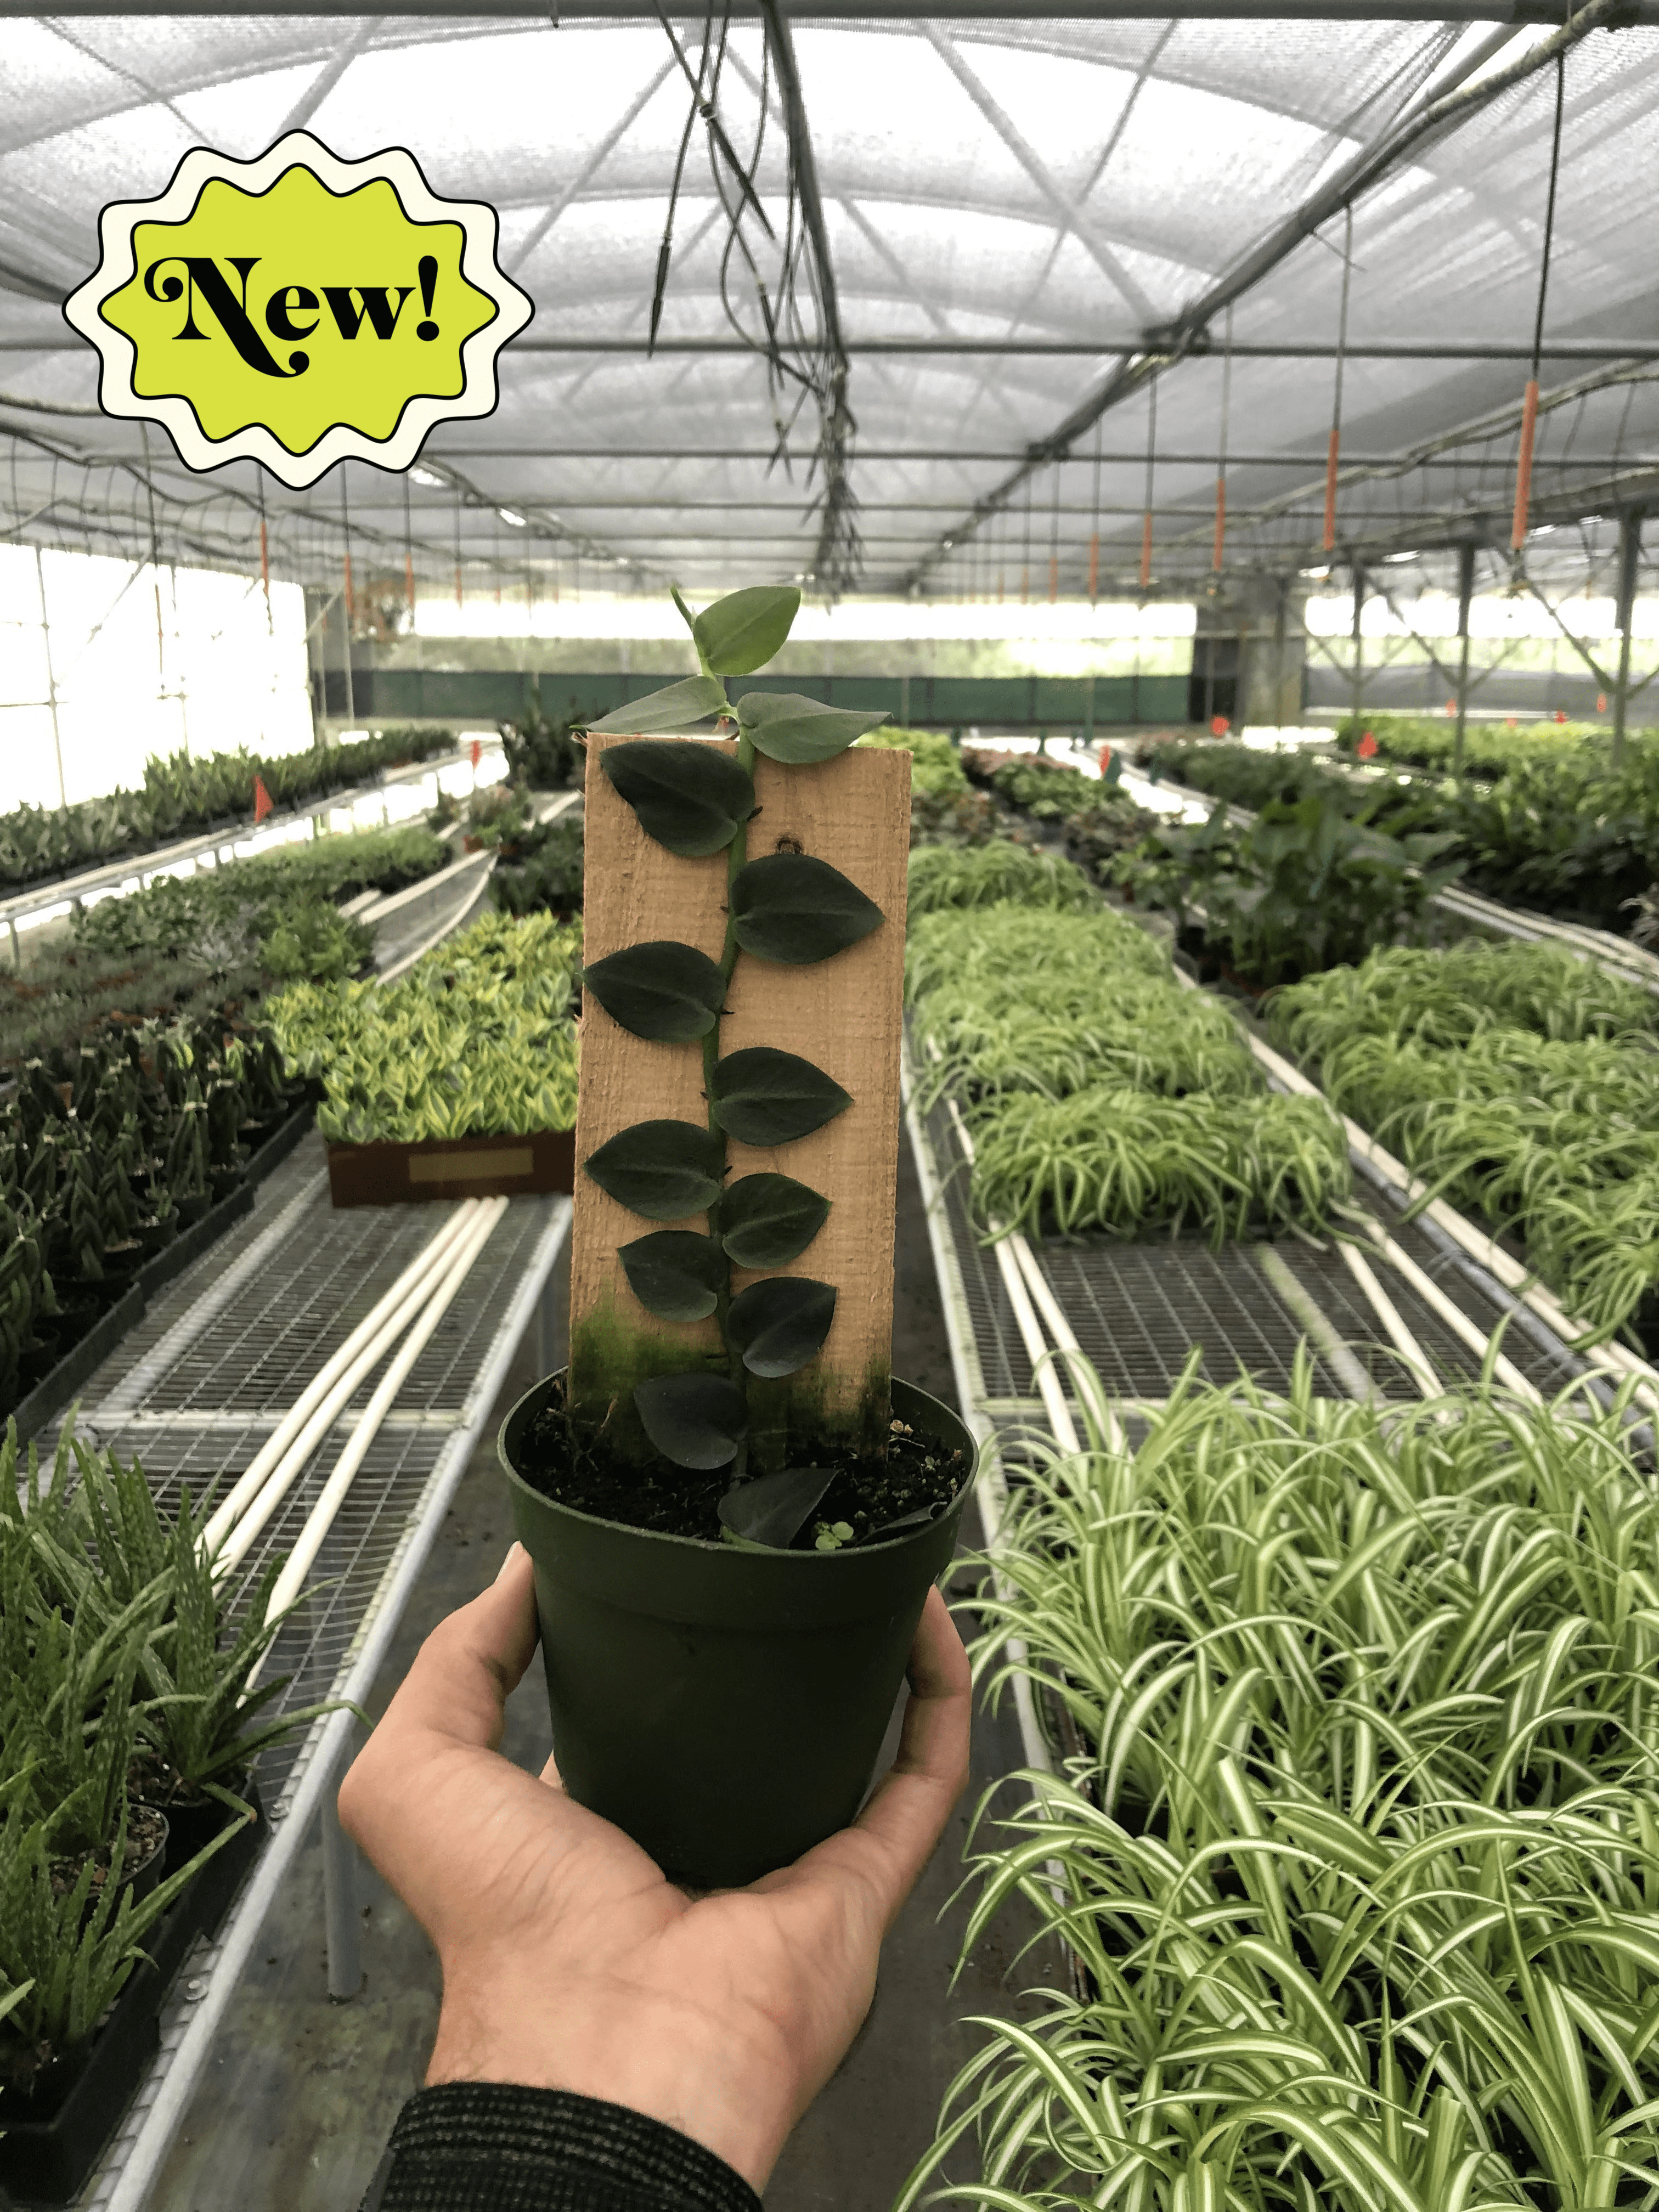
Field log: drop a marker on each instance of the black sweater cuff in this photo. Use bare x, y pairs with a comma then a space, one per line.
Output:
495, 2146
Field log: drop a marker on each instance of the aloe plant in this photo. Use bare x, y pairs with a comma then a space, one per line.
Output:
787, 907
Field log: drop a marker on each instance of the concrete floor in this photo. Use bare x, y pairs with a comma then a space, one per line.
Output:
296, 2107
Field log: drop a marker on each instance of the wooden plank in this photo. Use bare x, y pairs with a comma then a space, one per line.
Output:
843, 1014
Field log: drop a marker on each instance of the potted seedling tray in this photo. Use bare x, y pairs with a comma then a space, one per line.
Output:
452, 1167
59, 1384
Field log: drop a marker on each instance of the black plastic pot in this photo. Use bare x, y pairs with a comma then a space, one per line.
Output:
725, 1707
51, 2141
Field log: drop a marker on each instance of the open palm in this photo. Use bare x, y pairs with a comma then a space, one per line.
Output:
569, 1962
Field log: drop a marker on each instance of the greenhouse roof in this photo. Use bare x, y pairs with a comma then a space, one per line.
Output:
1018, 219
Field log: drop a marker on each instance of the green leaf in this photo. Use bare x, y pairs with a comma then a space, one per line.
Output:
695, 1420
779, 1324
690, 797
668, 992
788, 727
764, 1097
773, 1509
790, 907
740, 633
767, 1220
675, 1273
679, 708
663, 1170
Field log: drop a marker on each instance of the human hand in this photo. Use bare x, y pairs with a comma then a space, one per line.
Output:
570, 1962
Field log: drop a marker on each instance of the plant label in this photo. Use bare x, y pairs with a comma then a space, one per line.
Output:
298, 310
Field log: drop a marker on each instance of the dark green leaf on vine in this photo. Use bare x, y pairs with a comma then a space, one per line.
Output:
781, 1323
690, 796
695, 1420
668, 992
773, 1509
675, 1273
764, 1097
681, 707
740, 633
767, 1220
798, 730
663, 1170
790, 907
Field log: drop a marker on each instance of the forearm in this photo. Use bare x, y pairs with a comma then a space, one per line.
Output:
496, 2147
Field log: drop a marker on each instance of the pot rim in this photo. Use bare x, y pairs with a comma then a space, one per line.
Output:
847, 1552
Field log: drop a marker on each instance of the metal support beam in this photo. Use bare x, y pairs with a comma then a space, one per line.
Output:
954, 11
345, 1957
1465, 593
1630, 561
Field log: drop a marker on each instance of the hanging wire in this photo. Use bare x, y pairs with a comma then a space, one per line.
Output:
1329, 540
409, 554
1529, 406
1025, 564
1221, 471
264, 549
1146, 517
1054, 540
457, 489
1094, 528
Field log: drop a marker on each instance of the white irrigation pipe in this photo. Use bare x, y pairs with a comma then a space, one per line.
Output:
1013, 1281
291, 1581
1454, 1316
282, 1477
1416, 1359
276, 1446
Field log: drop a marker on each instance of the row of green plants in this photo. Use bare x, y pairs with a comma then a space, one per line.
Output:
1519, 1082
544, 871
1489, 749
1563, 835
183, 794
1095, 816
477, 1040
124, 1693
186, 948
1352, 1830
1101, 1096
110, 1148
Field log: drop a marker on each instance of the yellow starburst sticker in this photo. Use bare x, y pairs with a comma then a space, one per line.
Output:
298, 310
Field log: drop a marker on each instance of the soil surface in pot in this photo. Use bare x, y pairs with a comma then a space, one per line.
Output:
918, 1474
147, 1829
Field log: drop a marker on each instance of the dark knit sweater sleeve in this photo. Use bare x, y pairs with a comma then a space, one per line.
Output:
494, 2147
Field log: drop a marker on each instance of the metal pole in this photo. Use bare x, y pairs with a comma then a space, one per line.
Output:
51, 685
345, 1960
1465, 593
1358, 647
1629, 559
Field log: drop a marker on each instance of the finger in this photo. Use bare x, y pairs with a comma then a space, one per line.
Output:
456, 1691
894, 1836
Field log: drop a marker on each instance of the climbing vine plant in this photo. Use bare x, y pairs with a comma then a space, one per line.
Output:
697, 799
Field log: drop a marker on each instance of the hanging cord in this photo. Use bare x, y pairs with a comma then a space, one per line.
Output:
1054, 540
1529, 407
1221, 472
1094, 530
346, 527
1336, 406
1025, 568
457, 489
1146, 518
409, 554
265, 551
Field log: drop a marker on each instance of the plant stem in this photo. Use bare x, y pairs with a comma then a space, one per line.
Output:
736, 853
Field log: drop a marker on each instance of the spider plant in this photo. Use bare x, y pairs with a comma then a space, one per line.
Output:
985, 875
1358, 1849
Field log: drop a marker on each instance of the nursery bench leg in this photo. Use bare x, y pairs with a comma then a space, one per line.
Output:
345, 1963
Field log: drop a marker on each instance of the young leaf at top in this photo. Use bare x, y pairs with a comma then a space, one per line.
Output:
767, 1220
773, 1509
662, 1169
680, 707
780, 1323
668, 992
689, 797
740, 633
764, 1097
790, 907
788, 727
695, 1420
674, 1273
